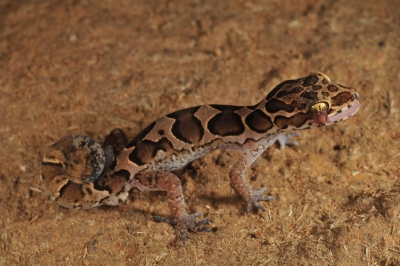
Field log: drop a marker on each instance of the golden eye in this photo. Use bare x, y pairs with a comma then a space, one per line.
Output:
320, 107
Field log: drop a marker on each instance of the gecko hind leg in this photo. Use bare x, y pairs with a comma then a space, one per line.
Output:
169, 182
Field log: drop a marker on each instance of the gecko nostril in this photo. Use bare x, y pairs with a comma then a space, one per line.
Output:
355, 95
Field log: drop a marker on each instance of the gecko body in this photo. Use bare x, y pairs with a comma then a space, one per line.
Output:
171, 142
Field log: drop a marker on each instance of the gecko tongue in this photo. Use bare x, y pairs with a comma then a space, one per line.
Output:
343, 115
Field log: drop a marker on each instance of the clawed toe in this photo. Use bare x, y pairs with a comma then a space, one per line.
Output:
163, 219
202, 222
259, 192
254, 201
188, 222
183, 232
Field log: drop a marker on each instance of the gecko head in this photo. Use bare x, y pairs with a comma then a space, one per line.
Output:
311, 101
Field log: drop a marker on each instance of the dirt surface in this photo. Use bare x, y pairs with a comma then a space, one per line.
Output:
90, 66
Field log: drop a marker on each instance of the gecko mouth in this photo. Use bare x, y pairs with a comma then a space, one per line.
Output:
344, 114
322, 119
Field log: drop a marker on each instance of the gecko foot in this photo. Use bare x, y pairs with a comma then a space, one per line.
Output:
254, 201
185, 223
286, 139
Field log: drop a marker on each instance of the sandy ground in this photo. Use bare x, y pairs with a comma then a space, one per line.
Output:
90, 66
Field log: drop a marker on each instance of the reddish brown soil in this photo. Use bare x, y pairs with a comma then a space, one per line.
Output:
90, 66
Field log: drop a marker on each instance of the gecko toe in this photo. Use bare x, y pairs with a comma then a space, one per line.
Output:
185, 223
183, 235
163, 219
254, 202
287, 139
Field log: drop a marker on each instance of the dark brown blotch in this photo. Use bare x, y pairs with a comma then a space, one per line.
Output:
71, 192
342, 98
316, 87
295, 90
325, 94
147, 150
65, 187
187, 127
226, 123
296, 120
311, 95
101, 185
113, 183
258, 121
332, 88
280, 86
310, 80
50, 169
122, 174
275, 105
225, 108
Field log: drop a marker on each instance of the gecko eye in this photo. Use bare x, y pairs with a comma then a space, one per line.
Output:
320, 107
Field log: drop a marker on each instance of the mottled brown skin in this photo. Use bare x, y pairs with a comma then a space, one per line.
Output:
174, 140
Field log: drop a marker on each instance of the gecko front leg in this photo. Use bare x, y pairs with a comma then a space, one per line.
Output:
251, 198
169, 182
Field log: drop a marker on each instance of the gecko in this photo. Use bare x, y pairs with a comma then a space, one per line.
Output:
147, 162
